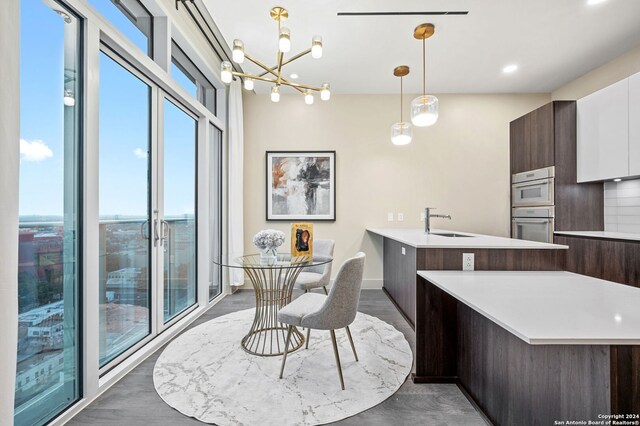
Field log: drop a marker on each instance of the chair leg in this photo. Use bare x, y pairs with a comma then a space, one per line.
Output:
286, 349
308, 335
351, 341
335, 351
325, 290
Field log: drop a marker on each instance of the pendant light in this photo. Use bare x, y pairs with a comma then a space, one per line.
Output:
401, 132
424, 108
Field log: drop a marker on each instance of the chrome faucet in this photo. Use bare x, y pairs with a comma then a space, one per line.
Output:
428, 216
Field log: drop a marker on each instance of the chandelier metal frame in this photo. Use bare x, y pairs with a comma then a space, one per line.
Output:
280, 14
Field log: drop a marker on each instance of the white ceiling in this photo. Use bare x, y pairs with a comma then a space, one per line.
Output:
552, 41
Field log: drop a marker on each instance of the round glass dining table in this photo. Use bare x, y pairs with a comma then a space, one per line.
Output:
273, 279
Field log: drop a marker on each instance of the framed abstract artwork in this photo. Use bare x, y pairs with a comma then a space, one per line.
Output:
301, 185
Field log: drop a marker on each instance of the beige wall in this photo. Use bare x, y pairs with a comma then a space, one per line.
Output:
603, 76
460, 165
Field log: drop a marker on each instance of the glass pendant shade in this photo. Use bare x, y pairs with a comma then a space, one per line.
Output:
316, 47
284, 43
401, 133
238, 51
424, 111
248, 83
275, 94
225, 72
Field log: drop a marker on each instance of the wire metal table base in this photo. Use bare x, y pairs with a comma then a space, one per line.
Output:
273, 289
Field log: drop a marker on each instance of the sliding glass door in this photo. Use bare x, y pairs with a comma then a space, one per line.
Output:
124, 205
178, 209
47, 379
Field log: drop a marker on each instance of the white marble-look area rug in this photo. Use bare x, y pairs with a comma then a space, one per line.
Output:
205, 374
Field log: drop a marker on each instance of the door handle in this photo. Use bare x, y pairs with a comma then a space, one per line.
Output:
164, 231
144, 230
156, 236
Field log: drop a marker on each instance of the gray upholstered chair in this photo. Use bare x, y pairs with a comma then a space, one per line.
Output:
320, 275
320, 312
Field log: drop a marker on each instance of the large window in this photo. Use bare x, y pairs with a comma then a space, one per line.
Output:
179, 203
184, 71
47, 379
215, 209
125, 217
131, 18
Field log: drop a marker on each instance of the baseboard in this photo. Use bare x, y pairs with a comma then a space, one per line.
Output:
434, 379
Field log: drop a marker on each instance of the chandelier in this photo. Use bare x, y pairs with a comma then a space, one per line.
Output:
273, 74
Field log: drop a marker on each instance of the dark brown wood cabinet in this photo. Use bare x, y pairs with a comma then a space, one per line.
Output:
547, 137
607, 259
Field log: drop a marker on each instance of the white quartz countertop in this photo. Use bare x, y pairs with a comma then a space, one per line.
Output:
544, 308
417, 238
602, 234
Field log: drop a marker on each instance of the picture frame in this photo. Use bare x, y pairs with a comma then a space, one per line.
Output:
301, 186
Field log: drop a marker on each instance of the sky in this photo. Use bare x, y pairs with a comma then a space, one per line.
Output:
124, 125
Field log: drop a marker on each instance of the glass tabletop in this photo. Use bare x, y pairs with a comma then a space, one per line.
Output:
280, 261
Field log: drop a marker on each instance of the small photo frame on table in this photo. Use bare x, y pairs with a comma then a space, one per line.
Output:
302, 239
301, 185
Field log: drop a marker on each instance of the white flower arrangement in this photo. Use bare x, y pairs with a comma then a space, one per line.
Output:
268, 239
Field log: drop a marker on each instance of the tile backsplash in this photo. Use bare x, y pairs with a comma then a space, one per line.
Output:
622, 206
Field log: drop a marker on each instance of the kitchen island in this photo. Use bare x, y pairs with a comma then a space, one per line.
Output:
405, 251
532, 347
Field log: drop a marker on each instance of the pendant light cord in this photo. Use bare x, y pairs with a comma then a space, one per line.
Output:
424, 67
401, 99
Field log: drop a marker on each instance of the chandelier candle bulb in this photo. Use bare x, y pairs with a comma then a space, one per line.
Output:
238, 51
316, 47
325, 93
69, 100
225, 72
308, 98
248, 83
275, 94
284, 43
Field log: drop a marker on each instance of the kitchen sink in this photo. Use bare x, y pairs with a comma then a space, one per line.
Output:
451, 234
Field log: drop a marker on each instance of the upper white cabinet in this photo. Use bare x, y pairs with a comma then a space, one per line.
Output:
634, 125
603, 133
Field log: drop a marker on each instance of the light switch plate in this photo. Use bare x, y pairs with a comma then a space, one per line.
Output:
400, 217
390, 217
468, 261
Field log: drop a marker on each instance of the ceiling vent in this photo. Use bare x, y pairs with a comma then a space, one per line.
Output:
446, 12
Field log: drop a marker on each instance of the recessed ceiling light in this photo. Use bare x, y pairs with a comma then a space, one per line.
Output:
510, 68
593, 2
294, 76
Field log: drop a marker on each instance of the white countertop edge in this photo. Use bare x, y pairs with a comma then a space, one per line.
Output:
608, 235
533, 340
481, 312
474, 243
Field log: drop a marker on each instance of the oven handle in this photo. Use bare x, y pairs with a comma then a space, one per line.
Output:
533, 183
528, 220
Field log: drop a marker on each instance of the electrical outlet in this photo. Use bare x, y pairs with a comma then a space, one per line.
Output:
389, 217
404, 251
422, 217
468, 261
400, 217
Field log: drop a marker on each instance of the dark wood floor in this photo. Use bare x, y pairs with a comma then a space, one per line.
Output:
134, 401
